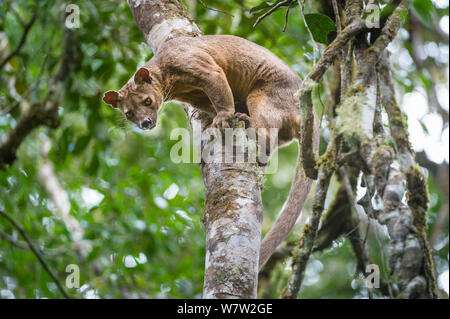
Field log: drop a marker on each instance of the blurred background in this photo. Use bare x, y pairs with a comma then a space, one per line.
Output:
99, 193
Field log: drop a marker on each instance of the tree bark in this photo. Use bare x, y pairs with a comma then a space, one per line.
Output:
233, 206
352, 132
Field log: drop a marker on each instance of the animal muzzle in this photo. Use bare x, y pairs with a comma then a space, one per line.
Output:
147, 124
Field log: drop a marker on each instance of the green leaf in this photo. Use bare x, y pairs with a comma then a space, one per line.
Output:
425, 77
81, 143
261, 6
387, 11
423, 9
320, 26
424, 127
93, 166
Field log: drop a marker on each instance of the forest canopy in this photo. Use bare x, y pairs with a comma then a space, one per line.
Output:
89, 189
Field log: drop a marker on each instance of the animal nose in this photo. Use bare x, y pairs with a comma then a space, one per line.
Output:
146, 124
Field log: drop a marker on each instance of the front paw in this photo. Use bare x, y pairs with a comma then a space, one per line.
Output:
243, 117
222, 120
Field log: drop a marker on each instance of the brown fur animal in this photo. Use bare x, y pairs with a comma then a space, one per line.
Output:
222, 75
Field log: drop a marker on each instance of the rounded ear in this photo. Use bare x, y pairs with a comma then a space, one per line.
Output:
111, 98
142, 75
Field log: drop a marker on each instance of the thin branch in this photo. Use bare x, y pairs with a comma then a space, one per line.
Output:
306, 105
36, 253
346, 54
22, 245
46, 112
306, 245
335, 222
214, 9
314, 44
337, 16
271, 10
43, 65
310, 231
23, 38
13, 241
348, 189
286, 16
329, 100
356, 239
332, 50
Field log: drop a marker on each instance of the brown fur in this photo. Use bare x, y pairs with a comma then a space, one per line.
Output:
218, 74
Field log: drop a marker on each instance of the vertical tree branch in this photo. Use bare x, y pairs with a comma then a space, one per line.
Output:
407, 253
416, 187
233, 223
233, 207
311, 80
310, 231
305, 248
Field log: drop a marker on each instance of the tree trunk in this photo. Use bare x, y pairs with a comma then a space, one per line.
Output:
233, 206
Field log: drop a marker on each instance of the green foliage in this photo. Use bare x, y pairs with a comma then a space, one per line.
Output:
144, 231
263, 6
320, 26
423, 8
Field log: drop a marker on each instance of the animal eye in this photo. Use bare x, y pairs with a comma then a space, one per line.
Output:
148, 101
129, 114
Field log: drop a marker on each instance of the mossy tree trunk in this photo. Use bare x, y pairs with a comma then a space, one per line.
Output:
364, 88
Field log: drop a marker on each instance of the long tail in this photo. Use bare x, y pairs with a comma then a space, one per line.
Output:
285, 222
297, 196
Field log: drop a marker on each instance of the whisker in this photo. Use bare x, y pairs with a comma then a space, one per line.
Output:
122, 123
168, 94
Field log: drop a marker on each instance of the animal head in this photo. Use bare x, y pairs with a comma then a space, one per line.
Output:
139, 100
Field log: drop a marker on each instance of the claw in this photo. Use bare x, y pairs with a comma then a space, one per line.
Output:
243, 117
221, 120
